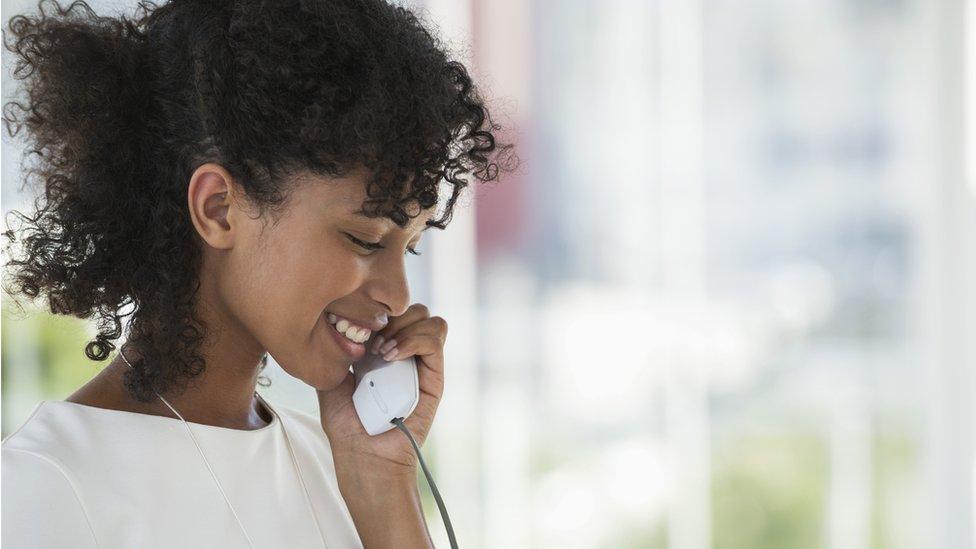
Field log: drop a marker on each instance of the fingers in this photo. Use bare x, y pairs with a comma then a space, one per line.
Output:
414, 313
416, 344
435, 327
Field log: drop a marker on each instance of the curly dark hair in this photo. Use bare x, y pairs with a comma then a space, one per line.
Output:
120, 111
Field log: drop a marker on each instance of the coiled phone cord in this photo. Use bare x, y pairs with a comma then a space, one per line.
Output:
398, 421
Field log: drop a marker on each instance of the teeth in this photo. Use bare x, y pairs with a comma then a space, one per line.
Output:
358, 335
344, 327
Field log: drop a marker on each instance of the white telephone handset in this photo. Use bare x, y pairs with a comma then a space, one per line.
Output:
384, 391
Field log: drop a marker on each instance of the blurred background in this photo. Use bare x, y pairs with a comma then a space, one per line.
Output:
728, 301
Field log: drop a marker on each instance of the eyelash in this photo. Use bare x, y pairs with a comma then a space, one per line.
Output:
374, 245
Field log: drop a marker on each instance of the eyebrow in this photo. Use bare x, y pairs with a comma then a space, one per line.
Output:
362, 213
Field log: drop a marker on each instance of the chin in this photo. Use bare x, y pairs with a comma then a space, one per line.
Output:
326, 377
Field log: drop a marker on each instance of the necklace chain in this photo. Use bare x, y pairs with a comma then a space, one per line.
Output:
291, 452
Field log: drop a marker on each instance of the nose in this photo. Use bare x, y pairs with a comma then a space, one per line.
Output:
389, 286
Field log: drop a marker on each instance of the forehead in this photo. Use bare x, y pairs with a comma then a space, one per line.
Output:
348, 194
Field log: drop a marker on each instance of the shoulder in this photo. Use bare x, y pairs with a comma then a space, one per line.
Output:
34, 452
38, 432
41, 506
53, 429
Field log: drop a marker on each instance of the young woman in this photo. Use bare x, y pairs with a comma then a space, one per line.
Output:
242, 178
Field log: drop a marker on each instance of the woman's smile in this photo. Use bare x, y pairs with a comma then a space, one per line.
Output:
353, 349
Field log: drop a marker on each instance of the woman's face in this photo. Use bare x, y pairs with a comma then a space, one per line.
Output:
276, 282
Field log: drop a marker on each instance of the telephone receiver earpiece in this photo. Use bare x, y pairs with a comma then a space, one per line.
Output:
384, 391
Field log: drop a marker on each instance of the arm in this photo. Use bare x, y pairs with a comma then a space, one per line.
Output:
40, 506
386, 508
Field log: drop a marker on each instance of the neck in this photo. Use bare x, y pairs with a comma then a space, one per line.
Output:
222, 395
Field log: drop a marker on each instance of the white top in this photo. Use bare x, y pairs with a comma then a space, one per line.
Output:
83, 477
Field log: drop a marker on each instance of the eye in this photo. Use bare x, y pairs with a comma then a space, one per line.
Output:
375, 245
368, 245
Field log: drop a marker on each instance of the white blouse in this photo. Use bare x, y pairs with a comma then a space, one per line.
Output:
79, 476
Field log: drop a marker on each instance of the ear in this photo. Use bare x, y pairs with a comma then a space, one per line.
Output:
212, 200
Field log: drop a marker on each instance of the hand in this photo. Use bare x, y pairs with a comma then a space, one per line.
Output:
421, 336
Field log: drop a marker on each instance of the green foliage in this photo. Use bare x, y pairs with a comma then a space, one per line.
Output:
769, 492
896, 464
42, 356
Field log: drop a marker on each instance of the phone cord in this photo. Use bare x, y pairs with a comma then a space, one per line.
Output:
398, 421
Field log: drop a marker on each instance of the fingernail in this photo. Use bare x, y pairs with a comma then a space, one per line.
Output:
391, 354
388, 345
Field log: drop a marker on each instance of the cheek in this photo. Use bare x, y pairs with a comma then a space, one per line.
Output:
255, 288
294, 279
301, 284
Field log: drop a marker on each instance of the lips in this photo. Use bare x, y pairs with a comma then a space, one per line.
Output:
352, 349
